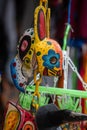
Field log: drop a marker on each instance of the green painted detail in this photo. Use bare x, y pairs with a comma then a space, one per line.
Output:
59, 91
69, 103
32, 33
49, 43
43, 100
38, 53
25, 99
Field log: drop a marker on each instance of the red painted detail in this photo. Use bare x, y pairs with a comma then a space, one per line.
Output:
21, 84
14, 76
42, 28
14, 64
24, 45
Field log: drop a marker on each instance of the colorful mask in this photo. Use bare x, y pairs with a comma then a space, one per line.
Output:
47, 51
21, 68
17, 118
37, 53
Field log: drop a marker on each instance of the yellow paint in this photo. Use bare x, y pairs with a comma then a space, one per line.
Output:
12, 120
42, 45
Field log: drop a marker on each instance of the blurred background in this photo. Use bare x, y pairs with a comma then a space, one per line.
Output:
17, 15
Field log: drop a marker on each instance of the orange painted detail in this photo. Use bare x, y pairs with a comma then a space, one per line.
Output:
28, 127
12, 120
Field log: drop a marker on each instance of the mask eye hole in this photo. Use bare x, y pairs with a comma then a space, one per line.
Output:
53, 60
24, 45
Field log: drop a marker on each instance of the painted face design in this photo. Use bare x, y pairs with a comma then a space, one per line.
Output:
17, 118
51, 61
49, 57
36, 52
25, 43
48, 51
22, 65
